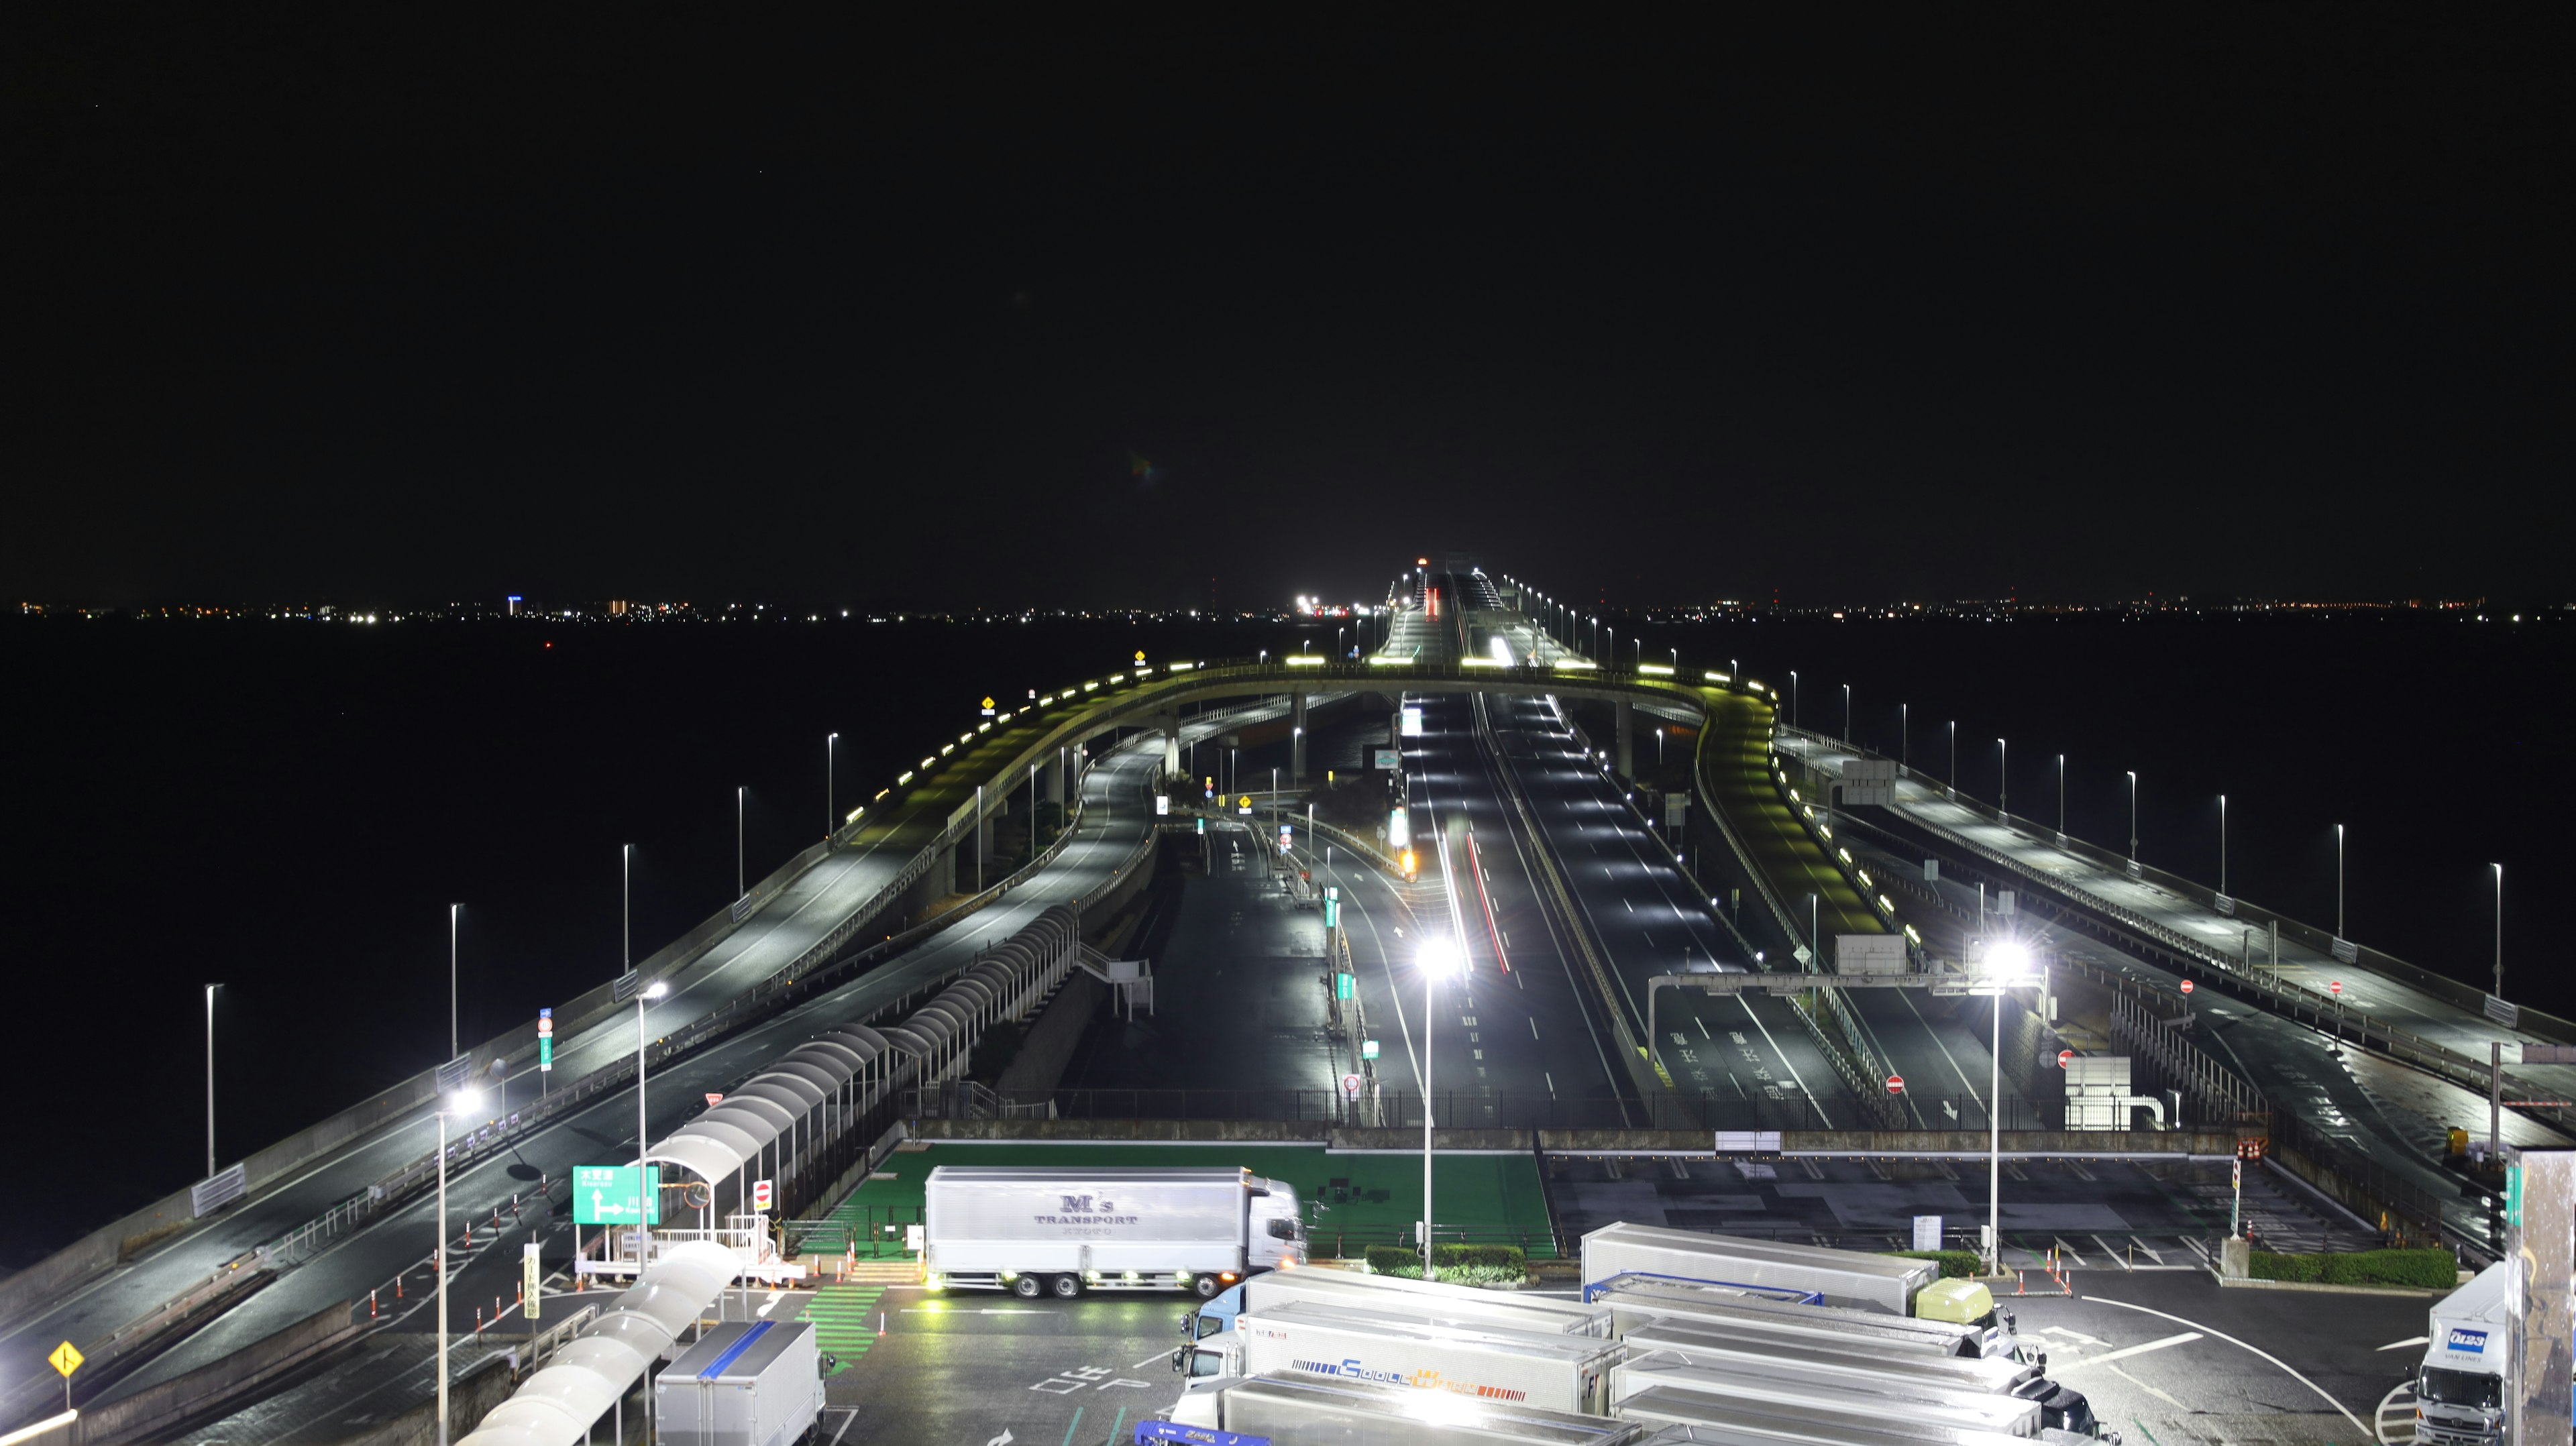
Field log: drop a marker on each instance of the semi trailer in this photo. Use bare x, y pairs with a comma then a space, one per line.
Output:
1063, 1232
1889, 1283
1635, 1299
1553, 1370
1859, 1396
1299, 1406
1428, 1300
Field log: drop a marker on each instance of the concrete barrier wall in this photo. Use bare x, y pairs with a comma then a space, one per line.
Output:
1962, 1143
173, 1401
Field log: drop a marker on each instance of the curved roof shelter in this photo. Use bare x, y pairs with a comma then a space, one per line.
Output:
558, 1405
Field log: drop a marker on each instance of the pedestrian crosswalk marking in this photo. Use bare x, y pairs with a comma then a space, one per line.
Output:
844, 1320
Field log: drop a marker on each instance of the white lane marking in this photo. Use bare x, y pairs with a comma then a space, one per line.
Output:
2071, 1335
1149, 1360
2409, 1341
2400, 1404
853, 1415
2256, 1350
2150, 1390
2122, 1354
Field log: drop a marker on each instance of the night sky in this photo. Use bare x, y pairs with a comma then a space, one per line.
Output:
1999, 300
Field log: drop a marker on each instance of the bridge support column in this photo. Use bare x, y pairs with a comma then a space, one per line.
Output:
1055, 779
1170, 724
1297, 737
1627, 739
983, 838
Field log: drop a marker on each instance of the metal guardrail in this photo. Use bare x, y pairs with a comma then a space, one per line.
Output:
1701, 1113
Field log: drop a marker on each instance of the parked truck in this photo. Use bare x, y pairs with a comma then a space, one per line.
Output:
1062, 1232
1427, 1300
2459, 1391
1635, 1299
1850, 1278
1553, 1370
1863, 1397
1687, 1418
1293, 1406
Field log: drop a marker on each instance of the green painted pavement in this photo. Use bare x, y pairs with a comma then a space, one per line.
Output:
844, 1318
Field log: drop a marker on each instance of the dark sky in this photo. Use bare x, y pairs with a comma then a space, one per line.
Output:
2001, 299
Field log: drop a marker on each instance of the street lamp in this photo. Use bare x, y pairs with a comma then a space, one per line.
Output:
212, 988
738, 793
625, 907
831, 750
1904, 735
457, 1104
1846, 712
2222, 843
1793, 698
1437, 959
2133, 815
1953, 779
2008, 963
643, 1139
2339, 933
2003, 779
2499, 990
2061, 798
452, 1050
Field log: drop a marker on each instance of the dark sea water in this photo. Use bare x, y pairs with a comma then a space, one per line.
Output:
290, 808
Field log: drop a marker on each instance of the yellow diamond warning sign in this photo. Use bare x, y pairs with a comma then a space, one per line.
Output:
66, 1358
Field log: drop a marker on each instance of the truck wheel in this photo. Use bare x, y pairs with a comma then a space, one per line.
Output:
1027, 1287
1067, 1286
1206, 1286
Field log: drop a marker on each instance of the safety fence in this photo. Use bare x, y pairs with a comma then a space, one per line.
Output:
1469, 1110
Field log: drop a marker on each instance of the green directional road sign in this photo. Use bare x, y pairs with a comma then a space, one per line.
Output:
606, 1195
1342, 985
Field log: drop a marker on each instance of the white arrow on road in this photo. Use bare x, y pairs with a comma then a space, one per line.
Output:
1002, 1440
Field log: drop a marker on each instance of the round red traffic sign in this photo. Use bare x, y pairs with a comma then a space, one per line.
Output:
2336, 986
1896, 1084
2065, 1057
2186, 986
1351, 1085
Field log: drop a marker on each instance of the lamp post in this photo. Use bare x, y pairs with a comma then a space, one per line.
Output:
1793, 699
643, 1139
1436, 958
2133, 815
2003, 779
452, 1050
738, 793
1904, 735
2500, 993
1953, 779
457, 1104
2061, 797
2222, 843
1847, 713
2006, 963
625, 907
831, 752
212, 988
2339, 933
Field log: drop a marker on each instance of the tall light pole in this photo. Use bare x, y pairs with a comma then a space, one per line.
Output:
457, 1104
831, 756
212, 988
643, 1137
1904, 735
2222, 843
2133, 815
2003, 779
625, 907
1847, 713
1793, 698
452, 1050
2500, 993
1953, 779
1436, 958
2061, 797
738, 793
2006, 962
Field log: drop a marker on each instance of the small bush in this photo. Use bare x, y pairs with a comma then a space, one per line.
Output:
1458, 1264
1955, 1264
2424, 1269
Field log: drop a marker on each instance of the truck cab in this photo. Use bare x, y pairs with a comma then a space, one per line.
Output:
2459, 1389
1278, 1239
1970, 1303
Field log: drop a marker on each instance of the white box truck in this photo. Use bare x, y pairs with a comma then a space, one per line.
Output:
1555, 1371
2459, 1391
1860, 1396
1058, 1231
1852, 1278
1686, 1419
1429, 1300
743, 1383
1293, 1406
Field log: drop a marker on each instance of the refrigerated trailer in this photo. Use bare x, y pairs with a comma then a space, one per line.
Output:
1840, 1277
1749, 1423
1427, 1300
1637, 1299
1702, 1343
1860, 1395
1552, 1370
1064, 1231
1298, 1406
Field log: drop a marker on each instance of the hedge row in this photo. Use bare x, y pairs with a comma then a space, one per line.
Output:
1954, 1263
1475, 1264
2428, 1269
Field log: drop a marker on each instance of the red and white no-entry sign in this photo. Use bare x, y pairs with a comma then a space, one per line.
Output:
1351, 1085
1896, 1084
2065, 1057
760, 1195
2337, 987
2186, 986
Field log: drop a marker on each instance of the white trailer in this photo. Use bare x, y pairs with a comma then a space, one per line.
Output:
1840, 1277
1754, 1430
1040, 1231
1427, 1300
1739, 1343
1815, 1392
1300, 1406
1748, 1423
1522, 1368
1636, 1300
2459, 1388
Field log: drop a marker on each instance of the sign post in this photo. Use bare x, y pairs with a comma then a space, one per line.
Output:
546, 1041
66, 1359
532, 1283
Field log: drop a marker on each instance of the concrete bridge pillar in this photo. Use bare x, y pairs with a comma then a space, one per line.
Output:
1170, 723
1627, 739
1297, 737
1055, 779
983, 837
